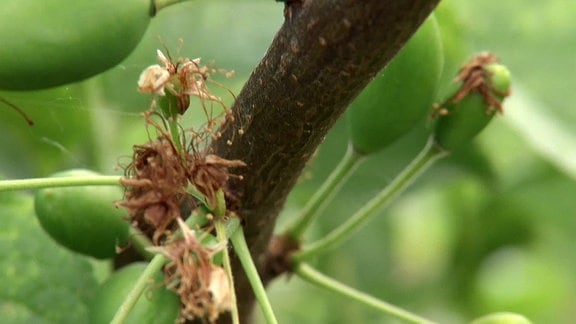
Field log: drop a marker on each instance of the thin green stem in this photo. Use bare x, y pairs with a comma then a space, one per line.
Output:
326, 192
427, 156
175, 133
154, 266
168, 105
243, 253
221, 235
141, 242
38, 183
311, 275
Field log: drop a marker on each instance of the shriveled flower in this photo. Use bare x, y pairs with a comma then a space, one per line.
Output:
210, 173
155, 187
474, 78
193, 80
220, 289
181, 79
203, 287
153, 80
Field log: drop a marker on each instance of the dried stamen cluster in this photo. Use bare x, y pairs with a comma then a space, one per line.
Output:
158, 179
210, 173
475, 78
156, 187
182, 79
203, 286
158, 184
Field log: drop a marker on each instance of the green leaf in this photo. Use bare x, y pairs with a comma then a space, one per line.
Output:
544, 131
61, 137
40, 282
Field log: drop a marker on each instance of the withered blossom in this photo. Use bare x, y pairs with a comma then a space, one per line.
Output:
181, 79
203, 287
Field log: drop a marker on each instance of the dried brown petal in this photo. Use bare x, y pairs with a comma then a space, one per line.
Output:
153, 80
203, 287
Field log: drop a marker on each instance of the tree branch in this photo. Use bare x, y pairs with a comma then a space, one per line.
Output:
322, 57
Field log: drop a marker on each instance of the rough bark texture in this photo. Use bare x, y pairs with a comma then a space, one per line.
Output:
322, 57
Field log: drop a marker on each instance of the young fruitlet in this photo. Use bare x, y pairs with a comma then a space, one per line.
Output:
502, 318
484, 85
155, 305
51, 43
401, 95
83, 219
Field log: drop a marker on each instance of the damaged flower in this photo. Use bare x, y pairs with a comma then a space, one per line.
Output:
181, 79
203, 287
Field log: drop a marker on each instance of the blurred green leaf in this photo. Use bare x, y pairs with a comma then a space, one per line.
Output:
61, 137
525, 282
40, 282
547, 133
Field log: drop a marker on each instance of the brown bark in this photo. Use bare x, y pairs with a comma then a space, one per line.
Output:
321, 58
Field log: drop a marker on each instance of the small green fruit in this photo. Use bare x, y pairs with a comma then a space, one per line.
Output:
156, 305
467, 112
401, 95
502, 318
83, 219
47, 43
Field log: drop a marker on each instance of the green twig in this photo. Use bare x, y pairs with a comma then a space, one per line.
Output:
311, 275
326, 192
154, 266
175, 133
427, 156
38, 183
222, 237
141, 242
243, 253
169, 109
223, 232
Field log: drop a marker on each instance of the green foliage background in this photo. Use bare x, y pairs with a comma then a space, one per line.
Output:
489, 229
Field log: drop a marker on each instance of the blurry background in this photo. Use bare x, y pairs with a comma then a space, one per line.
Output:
489, 229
